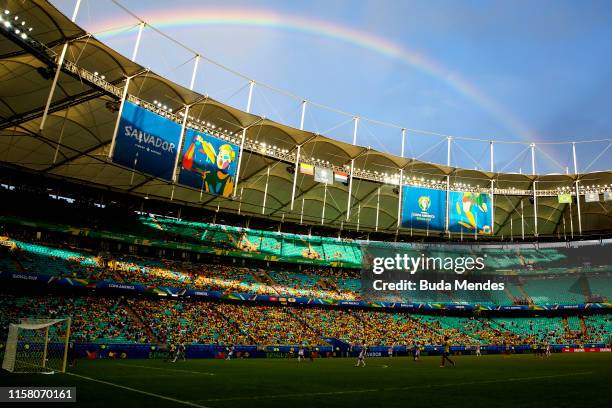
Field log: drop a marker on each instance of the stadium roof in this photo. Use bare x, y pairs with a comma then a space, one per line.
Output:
76, 140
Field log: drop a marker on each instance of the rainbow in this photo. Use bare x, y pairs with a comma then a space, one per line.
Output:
267, 19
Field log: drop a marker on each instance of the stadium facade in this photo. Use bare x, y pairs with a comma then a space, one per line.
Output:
273, 166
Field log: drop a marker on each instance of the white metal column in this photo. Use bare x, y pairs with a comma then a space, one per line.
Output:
248, 110
60, 63
265, 197
522, 220
350, 186
324, 203
535, 209
535, 197
240, 200
571, 217
295, 174
491, 157
303, 115
356, 119
401, 182
377, 208
448, 163
399, 198
126, 88
179, 148
61, 135
492, 168
492, 206
297, 156
577, 189
302, 213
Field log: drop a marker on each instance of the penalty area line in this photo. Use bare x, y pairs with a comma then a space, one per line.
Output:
150, 394
424, 386
166, 369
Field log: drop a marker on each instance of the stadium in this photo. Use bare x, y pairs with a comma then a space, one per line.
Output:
163, 247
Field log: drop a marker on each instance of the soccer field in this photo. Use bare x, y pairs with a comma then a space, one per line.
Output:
564, 380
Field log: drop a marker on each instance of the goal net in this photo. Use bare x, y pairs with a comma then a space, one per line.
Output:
37, 346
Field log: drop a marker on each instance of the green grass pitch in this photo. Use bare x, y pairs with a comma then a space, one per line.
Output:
563, 380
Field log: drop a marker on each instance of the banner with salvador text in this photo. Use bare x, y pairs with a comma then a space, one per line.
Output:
423, 208
208, 163
146, 142
469, 212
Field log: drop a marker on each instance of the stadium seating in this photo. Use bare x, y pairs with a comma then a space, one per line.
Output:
98, 319
314, 282
549, 329
555, 289
599, 327
105, 320
601, 285
229, 237
46, 260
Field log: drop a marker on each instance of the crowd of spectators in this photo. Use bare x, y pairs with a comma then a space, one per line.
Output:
144, 320
93, 319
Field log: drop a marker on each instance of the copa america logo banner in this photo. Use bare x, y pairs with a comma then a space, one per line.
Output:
146, 142
470, 212
208, 163
423, 208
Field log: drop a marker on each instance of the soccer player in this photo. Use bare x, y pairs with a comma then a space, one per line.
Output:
183, 350
179, 353
446, 353
300, 353
547, 349
71, 354
478, 350
172, 352
362, 356
230, 354
390, 351
416, 351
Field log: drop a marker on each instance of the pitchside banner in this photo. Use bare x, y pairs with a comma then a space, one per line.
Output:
423, 208
208, 163
469, 212
146, 142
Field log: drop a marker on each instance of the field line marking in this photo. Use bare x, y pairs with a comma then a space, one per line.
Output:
322, 393
165, 369
178, 401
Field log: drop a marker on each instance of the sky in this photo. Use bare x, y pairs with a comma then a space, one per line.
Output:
523, 71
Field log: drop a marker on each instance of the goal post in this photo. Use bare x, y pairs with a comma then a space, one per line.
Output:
37, 346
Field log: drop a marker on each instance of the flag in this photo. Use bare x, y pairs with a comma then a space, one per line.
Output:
323, 175
564, 198
306, 169
607, 195
591, 197
341, 176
